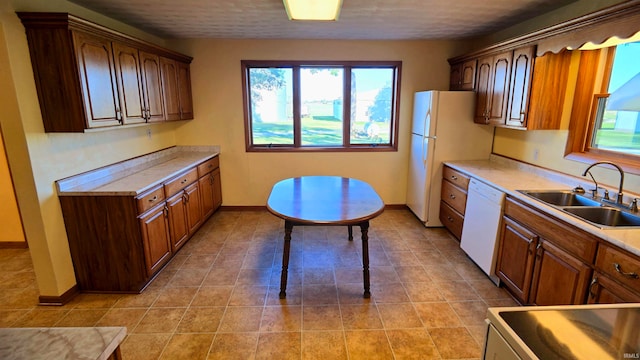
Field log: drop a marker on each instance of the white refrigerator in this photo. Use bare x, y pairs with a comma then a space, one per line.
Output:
442, 130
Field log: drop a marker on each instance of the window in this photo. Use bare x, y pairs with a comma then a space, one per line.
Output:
605, 121
322, 106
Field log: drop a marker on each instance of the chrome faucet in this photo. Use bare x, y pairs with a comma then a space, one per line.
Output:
619, 197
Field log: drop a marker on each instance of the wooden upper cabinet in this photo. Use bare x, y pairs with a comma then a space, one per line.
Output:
129, 76
463, 75
98, 80
521, 72
492, 86
455, 76
152, 86
184, 91
88, 76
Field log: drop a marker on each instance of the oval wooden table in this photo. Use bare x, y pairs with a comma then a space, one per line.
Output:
324, 200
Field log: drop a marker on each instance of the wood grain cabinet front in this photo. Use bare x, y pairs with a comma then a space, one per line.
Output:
453, 197
119, 243
617, 276
88, 76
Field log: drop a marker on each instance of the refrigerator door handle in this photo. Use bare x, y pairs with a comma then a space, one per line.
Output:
425, 150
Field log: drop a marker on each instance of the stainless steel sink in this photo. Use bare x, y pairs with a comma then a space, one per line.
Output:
598, 213
561, 198
605, 216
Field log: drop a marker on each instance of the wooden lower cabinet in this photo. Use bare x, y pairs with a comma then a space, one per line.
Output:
118, 243
516, 255
453, 195
154, 227
603, 290
210, 192
559, 278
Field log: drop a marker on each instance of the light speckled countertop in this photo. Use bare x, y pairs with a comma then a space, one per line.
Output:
135, 176
96, 343
509, 176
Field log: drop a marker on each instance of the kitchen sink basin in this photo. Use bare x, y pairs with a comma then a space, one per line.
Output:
561, 198
604, 216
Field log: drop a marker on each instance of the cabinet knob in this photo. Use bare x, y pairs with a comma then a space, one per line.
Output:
451, 196
184, 181
449, 218
630, 275
453, 177
153, 198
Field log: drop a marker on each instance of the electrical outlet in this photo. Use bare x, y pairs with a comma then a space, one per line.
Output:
536, 152
149, 133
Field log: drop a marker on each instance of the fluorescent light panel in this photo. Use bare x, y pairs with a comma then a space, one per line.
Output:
313, 9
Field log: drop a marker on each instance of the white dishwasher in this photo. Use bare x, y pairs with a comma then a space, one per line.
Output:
481, 225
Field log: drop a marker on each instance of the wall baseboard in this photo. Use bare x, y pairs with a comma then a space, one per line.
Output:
59, 300
14, 245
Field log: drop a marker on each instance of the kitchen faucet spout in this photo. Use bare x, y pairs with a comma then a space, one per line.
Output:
619, 197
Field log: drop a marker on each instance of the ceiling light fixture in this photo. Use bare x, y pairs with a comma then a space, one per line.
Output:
327, 10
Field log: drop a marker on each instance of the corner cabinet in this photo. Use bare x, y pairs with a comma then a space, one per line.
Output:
88, 76
118, 243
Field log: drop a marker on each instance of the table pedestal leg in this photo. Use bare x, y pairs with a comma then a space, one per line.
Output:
364, 227
350, 232
288, 226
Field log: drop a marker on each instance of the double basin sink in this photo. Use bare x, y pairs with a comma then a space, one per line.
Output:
596, 212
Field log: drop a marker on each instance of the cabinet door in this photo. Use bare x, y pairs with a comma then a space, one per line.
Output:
154, 104
192, 207
515, 258
499, 88
206, 194
217, 189
455, 77
155, 236
559, 277
184, 91
483, 83
603, 290
468, 75
129, 77
178, 225
169, 74
520, 87
98, 80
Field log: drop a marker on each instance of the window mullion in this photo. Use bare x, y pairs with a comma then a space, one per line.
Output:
297, 121
346, 108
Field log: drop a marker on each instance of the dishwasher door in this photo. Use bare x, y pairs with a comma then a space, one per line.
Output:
481, 225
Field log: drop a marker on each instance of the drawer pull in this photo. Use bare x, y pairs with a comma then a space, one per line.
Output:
184, 181
594, 282
153, 198
454, 178
630, 275
451, 196
450, 218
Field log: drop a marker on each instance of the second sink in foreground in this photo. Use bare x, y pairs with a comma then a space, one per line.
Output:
606, 216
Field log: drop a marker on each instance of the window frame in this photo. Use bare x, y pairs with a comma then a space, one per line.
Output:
297, 146
592, 83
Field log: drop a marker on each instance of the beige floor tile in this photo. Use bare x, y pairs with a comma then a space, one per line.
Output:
412, 274
488, 290
472, 313
188, 277
437, 314
399, 316
412, 344
455, 343
281, 318
388, 293
212, 296
319, 295
457, 291
160, 320
368, 345
188, 346
323, 345
40, 318
423, 291
95, 301
219, 276
201, 320
318, 276
260, 276
321, 317
234, 346
241, 319
143, 300
175, 297
81, 318
204, 261
127, 317
144, 346
248, 295
279, 345
8, 317
365, 316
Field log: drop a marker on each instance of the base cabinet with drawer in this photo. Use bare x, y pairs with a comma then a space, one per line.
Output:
542, 260
118, 243
453, 200
617, 276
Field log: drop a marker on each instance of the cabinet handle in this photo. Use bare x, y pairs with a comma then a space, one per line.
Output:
449, 218
184, 181
211, 179
165, 211
153, 198
593, 283
185, 197
454, 178
451, 196
630, 275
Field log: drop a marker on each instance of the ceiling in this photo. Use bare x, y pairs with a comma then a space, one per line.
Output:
359, 19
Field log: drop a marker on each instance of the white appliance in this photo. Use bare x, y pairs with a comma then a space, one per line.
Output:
481, 224
442, 130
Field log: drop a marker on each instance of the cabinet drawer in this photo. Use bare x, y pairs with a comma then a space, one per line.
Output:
180, 182
207, 166
150, 199
461, 180
622, 266
451, 219
453, 196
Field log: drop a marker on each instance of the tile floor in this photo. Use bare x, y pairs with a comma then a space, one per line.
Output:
218, 298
